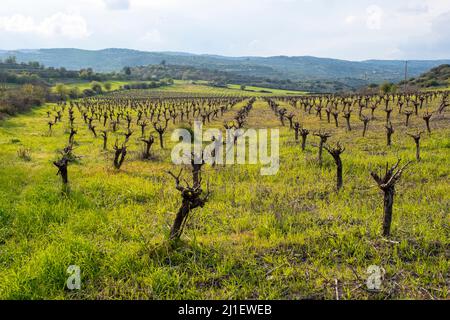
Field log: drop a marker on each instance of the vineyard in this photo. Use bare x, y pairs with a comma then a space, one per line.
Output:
363, 180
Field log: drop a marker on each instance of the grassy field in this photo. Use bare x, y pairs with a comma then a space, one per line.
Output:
8, 86
195, 88
289, 236
201, 87
439, 89
270, 91
115, 85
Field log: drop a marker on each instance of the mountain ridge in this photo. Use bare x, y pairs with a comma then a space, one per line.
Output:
274, 67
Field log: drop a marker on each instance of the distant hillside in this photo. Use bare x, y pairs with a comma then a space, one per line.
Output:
13, 72
222, 78
280, 67
436, 77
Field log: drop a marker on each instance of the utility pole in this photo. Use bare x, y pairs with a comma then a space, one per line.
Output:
406, 76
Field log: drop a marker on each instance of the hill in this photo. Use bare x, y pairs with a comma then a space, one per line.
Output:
279, 67
223, 78
13, 72
436, 77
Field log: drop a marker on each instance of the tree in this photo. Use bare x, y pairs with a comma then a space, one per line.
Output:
388, 87
96, 86
160, 129
426, 117
34, 94
67, 157
304, 133
323, 139
86, 73
148, 144
389, 132
243, 87
336, 152
74, 93
417, 138
61, 90
365, 120
88, 92
34, 64
119, 155
387, 185
107, 86
11, 60
193, 197
127, 71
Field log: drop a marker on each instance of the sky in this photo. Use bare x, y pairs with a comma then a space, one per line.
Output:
342, 29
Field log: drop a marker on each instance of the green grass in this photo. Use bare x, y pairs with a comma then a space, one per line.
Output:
195, 87
289, 236
115, 85
439, 89
202, 88
188, 88
275, 92
8, 86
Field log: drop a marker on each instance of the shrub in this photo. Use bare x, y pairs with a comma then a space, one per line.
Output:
24, 154
97, 87
89, 92
61, 90
75, 93
23, 98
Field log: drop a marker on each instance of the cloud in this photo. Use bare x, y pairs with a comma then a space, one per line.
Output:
152, 36
415, 8
350, 19
374, 17
441, 35
17, 23
117, 4
345, 29
59, 24
254, 43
